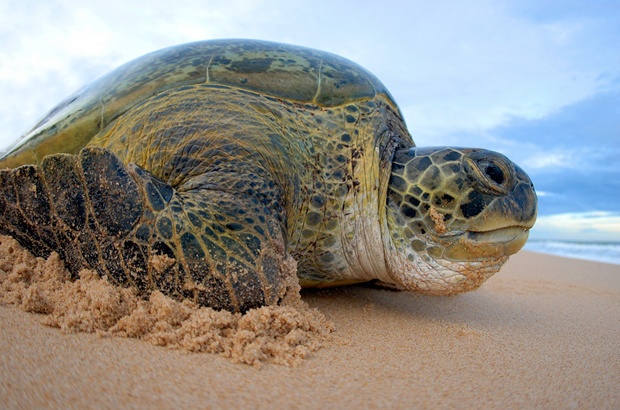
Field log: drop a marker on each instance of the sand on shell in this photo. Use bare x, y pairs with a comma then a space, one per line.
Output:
542, 333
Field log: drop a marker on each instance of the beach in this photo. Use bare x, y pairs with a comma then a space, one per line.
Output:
543, 332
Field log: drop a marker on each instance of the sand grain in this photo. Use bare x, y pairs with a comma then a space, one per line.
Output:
278, 334
542, 333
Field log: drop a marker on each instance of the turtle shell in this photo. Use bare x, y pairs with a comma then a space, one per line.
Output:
279, 70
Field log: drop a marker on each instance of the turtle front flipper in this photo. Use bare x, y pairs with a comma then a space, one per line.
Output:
211, 246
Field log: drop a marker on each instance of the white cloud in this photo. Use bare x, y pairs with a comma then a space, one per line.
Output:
552, 159
454, 67
544, 193
586, 226
451, 65
53, 48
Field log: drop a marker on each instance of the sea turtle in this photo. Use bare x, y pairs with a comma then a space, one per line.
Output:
202, 169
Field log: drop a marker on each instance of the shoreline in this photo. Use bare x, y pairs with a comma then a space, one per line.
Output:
543, 332
595, 251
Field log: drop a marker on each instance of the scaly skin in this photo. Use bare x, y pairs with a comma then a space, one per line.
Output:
227, 194
208, 189
455, 215
319, 169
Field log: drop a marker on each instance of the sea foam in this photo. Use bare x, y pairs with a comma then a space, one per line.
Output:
608, 252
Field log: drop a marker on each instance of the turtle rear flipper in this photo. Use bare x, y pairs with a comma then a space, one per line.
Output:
211, 246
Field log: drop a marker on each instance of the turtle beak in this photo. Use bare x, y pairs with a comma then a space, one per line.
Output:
505, 227
490, 244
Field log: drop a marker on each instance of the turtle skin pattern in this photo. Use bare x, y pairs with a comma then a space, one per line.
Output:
208, 207
209, 170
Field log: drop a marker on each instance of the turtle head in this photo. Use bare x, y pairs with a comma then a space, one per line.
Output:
454, 216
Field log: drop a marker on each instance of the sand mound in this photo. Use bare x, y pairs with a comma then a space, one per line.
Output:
278, 334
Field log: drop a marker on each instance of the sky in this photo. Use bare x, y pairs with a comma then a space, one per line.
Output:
538, 80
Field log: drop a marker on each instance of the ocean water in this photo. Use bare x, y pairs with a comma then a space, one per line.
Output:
608, 252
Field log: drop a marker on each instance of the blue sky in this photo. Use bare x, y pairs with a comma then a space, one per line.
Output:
536, 80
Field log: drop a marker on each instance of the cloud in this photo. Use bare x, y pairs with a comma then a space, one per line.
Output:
544, 193
494, 63
572, 154
526, 69
587, 226
538, 81
551, 159
52, 48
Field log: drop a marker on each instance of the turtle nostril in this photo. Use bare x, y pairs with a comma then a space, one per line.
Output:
494, 172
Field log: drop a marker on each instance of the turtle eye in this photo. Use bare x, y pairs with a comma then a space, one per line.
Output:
494, 172
491, 173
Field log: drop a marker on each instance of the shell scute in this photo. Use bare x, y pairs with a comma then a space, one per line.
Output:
284, 72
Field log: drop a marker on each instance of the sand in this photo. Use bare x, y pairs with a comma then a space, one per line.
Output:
544, 332
282, 334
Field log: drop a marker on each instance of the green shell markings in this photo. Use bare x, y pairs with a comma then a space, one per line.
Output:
210, 170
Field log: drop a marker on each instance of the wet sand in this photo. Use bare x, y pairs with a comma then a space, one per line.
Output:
544, 332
